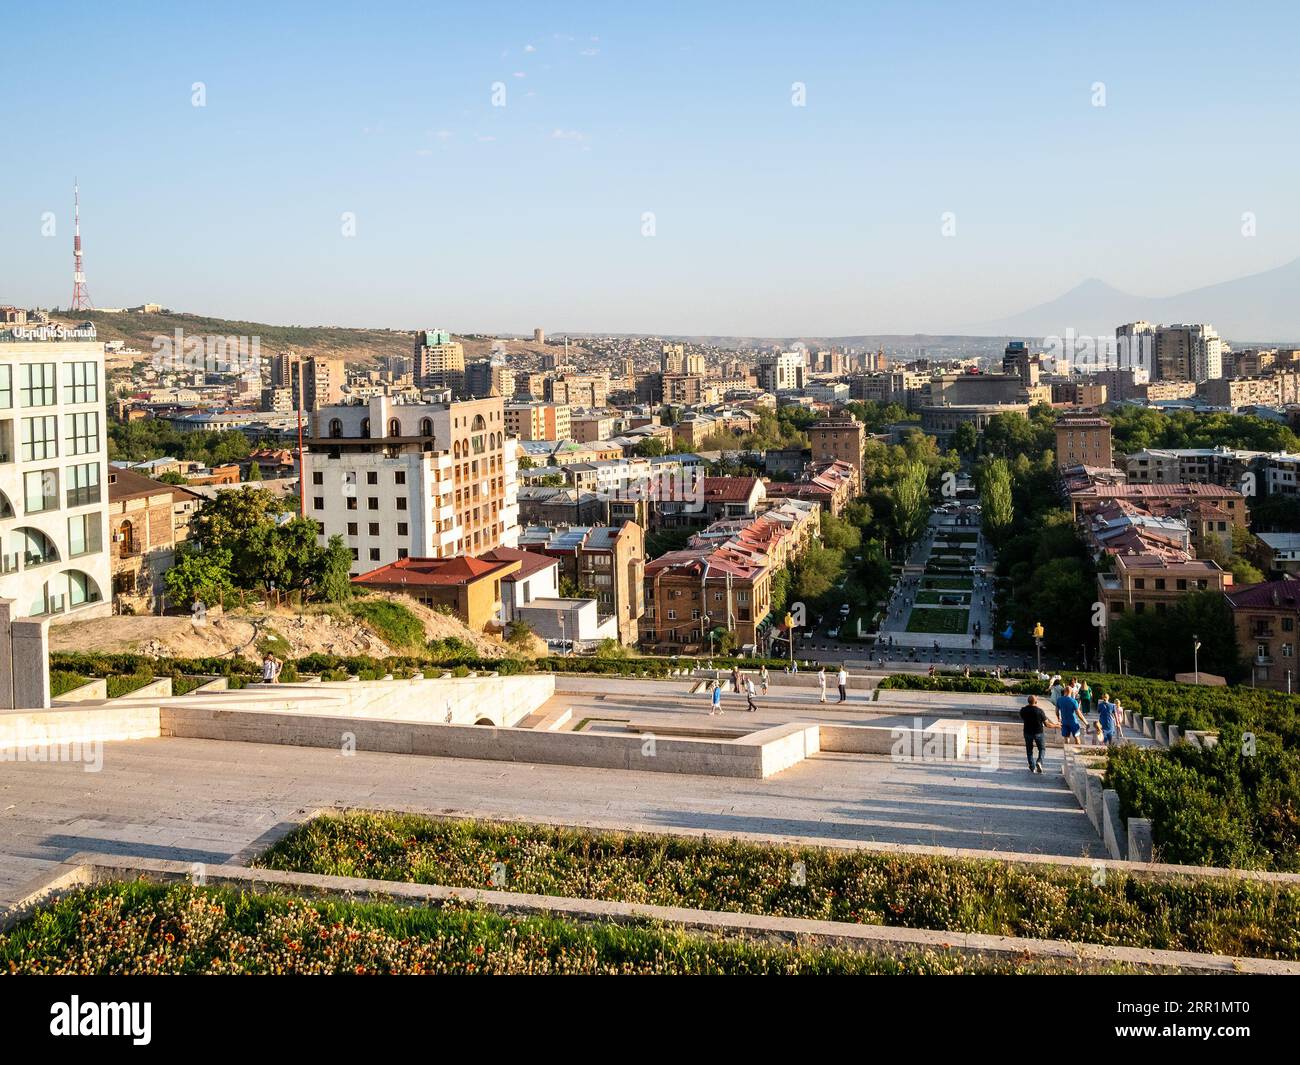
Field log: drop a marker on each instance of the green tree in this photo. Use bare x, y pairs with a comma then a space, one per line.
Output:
651, 447
333, 579
965, 440
995, 501
911, 497
254, 472
196, 575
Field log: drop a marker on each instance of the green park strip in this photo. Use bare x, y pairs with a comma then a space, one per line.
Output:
945, 620
1217, 916
948, 583
936, 598
138, 928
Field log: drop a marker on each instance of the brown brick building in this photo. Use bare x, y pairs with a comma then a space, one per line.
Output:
145, 534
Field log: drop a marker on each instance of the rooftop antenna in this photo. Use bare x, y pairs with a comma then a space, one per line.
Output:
80, 297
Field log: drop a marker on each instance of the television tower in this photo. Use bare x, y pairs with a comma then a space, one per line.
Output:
80, 297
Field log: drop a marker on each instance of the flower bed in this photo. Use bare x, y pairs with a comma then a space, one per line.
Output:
149, 929
909, 891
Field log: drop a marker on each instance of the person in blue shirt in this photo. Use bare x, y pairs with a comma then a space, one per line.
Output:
1106, 718
1067, 709
717, 699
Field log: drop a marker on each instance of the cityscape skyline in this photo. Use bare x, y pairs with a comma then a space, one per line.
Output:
772, 215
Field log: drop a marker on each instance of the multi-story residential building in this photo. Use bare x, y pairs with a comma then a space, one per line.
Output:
488, 378
54, 557
551, 505
1160, 499
702, 500
1149, 583
722, 580
439, 361
424, 480
1284, 551
1083, 441
316, 381
606, 563
1201, 465
1274, 388
578, 390
1187, 353
588, 426
1165, 391
839, 440
1267, 620
1282, 474
782, 371
831, 485
538, 421
143, 516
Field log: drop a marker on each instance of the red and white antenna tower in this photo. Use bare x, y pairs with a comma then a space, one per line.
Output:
80, 297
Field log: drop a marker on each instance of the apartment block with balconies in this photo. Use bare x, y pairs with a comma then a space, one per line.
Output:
54, 557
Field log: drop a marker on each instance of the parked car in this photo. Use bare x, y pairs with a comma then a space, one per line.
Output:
834, 633
844, 610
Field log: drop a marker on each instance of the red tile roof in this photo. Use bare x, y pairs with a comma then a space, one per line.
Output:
463, 569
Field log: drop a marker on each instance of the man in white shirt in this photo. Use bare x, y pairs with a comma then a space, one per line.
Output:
821, 680
843, 680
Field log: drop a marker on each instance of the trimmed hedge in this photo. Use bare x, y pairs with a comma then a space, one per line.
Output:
906, 891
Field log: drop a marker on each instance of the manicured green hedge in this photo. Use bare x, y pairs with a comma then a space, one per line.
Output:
946, 682
910, 891
150, 929
1235, 804
63, 681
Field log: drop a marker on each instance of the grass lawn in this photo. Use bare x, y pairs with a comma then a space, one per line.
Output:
949, 620
934, 598
949, 583
910, 891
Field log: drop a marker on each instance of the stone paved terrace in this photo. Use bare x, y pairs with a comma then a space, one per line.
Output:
205, 800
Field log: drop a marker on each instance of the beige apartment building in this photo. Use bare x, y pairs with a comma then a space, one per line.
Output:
419, 480
538, 421
439, 361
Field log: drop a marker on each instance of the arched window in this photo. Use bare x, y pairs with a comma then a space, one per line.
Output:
426, 427
365, 426
336, 428
34, 547
394, 427
6, 508
125, 538
82, 589
479, 423
455, 450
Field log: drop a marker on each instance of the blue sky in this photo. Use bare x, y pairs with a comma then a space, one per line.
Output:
769, 219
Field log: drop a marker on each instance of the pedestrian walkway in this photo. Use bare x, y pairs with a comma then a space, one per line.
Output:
977, 600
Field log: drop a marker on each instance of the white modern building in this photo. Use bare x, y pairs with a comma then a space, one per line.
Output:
419, 480
54, 559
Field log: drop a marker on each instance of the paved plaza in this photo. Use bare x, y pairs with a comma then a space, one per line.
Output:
205, 800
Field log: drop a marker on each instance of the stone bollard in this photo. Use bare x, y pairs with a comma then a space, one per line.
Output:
1093, 782
1112, 828
1161, 734
1140, 846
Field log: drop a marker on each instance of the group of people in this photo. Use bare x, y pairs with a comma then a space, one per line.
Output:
1073, 702
271, 667
744, 684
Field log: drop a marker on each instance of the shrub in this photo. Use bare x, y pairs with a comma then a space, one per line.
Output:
63, 681
394, 623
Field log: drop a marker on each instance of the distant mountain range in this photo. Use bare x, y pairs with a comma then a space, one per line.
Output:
1262, 308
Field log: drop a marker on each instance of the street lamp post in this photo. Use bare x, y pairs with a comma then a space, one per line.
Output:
705, 623
1038, 644
1196, 662
789, 627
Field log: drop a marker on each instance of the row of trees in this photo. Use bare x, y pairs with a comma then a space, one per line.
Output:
152, 438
